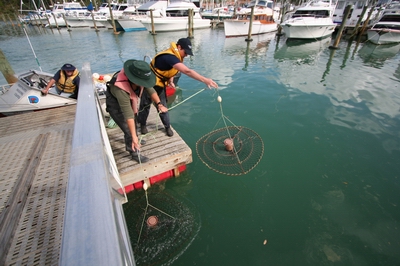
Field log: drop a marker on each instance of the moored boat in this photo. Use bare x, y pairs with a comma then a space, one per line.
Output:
263, 21
313, 21
387, 29
175, 18
355, 14
130, 18
25, 94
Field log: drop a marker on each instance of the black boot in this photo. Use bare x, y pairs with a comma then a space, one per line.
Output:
169, 131
143, 129
138, 157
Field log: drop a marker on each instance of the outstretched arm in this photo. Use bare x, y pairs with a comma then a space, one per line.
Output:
49, 85
194, 75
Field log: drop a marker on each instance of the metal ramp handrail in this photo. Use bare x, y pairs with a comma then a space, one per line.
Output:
94, 231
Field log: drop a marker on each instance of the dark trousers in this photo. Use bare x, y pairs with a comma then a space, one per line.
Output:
115, 112
145, 104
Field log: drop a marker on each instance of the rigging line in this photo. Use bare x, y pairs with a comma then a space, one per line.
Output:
177, 103
37, 61
227, 128
186, 99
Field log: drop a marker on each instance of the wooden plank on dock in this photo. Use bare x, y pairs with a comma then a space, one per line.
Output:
165, 153
44, 163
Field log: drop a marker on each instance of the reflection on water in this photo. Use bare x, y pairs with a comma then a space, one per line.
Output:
376, 55
301, 51
351, 92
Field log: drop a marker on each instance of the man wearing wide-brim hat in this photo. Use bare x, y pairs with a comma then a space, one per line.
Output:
66, 80
123, 92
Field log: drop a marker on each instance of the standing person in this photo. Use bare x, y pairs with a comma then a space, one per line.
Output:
67, 82
123, 92
165, 66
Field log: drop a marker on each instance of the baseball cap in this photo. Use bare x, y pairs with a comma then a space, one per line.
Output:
186, 45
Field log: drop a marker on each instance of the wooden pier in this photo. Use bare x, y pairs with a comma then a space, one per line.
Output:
165, 153
35, 150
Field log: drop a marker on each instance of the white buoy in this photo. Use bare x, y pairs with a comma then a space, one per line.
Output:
219, 99
107, 78
145, 186
96, 75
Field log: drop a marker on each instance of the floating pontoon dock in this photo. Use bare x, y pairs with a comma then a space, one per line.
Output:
58, 203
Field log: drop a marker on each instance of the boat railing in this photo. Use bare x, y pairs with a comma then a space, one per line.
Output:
5, 88
94, 229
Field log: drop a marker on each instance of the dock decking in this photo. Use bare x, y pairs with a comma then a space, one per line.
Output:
35, 150
165, 153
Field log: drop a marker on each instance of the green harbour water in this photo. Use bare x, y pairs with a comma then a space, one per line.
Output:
326, 190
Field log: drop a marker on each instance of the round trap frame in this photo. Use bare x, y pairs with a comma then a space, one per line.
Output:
231, 150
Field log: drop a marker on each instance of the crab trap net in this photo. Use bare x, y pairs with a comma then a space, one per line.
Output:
230, 150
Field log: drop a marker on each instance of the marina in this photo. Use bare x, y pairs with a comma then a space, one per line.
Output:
325, 191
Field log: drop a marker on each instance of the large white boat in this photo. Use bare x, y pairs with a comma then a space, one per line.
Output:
263, 20
355, 14
61, 9
218, 13
313, 21
130, 19
79, 19
175, 18
387, 29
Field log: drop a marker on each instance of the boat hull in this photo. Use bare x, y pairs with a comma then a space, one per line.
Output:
79, 22
175, 24
308, 28
130, 24
235, 28
308, 32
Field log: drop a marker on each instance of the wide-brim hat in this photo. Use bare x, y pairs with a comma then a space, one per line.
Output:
68, 67
139, 72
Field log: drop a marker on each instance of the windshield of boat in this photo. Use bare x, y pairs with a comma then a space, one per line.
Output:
311, 13
391, 18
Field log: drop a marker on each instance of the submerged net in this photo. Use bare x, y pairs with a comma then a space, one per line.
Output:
177, 225
231, 150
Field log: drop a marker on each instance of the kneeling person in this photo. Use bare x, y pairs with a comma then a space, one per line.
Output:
66, 80
122, 96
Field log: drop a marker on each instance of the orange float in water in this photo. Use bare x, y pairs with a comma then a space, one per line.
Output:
152, 221
228, 144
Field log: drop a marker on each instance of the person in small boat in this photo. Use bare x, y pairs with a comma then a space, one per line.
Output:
166, 65
67, 82
123, 92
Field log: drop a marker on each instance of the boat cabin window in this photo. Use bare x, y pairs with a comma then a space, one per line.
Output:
178, 13
340, 5
391, 18
387, 26
311, 13
360, 5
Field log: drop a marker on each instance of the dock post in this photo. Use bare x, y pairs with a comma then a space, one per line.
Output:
340, 31
190, 23
249, 39
152, 22
6, 69
55, 21
66, 23
112, 18
366, 22
355, 32
94, 21
282, 11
